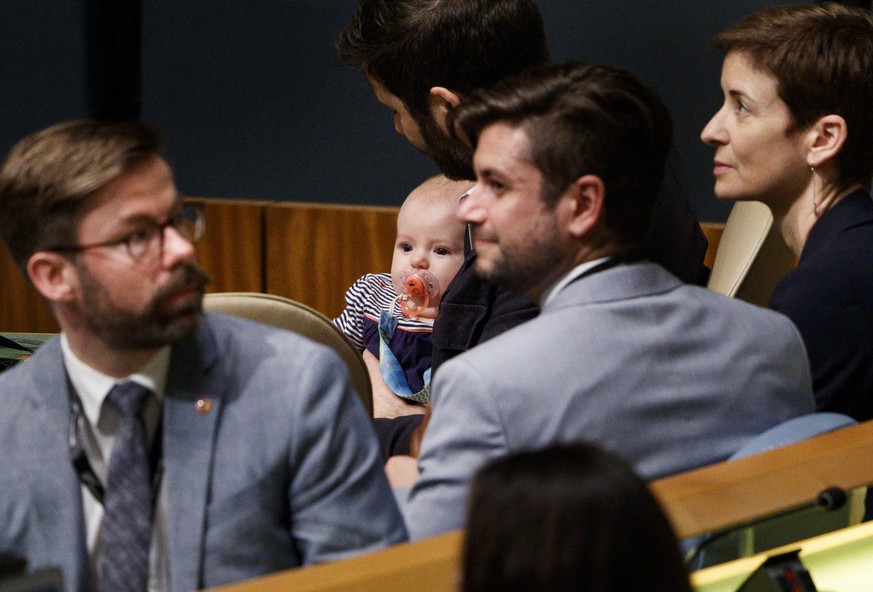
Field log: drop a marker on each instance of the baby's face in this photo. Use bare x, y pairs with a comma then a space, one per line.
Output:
429, 237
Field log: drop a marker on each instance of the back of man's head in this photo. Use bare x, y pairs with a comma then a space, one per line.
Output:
583, 119
410, 46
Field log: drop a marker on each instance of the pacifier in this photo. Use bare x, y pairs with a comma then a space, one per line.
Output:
421, 291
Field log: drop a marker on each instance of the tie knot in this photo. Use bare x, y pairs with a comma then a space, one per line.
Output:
128, 398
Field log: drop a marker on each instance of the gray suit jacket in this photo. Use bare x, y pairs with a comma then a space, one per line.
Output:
668, 376
284, 470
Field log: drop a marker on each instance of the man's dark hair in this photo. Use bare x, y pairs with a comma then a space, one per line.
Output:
410, 46
583, 119
47, 177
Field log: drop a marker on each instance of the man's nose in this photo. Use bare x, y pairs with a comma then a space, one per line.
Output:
713, 132
176, 247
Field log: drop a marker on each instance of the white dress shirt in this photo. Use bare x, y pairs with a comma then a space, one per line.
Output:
99, 430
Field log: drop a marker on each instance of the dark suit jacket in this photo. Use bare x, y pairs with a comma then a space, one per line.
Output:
829, 296
284, 470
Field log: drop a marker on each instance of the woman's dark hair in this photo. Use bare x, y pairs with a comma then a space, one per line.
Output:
567, 518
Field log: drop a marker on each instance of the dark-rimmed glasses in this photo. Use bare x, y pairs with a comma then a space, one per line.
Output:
147, 243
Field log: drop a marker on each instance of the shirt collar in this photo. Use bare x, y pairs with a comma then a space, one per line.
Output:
92, 385
549, 294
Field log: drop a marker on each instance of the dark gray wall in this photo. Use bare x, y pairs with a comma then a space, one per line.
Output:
253, 104
42, 66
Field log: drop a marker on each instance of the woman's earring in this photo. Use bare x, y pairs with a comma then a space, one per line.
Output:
815, 191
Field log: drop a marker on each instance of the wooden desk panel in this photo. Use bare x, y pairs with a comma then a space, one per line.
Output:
22, 309
753, 487
698, 501
712, 231
430, 565
315, 251
232, 248
308, 252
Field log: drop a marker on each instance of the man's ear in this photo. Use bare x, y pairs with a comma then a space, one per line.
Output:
826, 139
583, 201
53, 276
442, 101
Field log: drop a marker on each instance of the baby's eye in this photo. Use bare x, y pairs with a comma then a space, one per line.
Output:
442, 251
405, 247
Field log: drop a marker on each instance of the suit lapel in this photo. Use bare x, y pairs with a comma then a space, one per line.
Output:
189, 435
633, 280
53, 486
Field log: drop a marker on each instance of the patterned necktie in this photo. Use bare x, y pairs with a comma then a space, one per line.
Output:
127, 517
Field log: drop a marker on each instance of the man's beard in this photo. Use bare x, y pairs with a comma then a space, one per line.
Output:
159, 324
526, 267
454, 159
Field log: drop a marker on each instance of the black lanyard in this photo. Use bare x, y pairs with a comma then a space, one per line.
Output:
79, 457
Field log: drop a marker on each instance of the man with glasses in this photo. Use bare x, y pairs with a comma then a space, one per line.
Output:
150, 444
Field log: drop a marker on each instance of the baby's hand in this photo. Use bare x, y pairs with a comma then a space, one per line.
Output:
402, 471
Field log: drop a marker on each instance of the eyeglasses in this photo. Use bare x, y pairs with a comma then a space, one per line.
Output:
147, 243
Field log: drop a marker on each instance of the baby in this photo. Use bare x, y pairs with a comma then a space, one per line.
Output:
391, 316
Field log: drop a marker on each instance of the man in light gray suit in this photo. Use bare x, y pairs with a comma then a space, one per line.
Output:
256, 455
669, 376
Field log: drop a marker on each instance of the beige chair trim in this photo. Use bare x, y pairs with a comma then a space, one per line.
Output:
751, 256
290, 315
